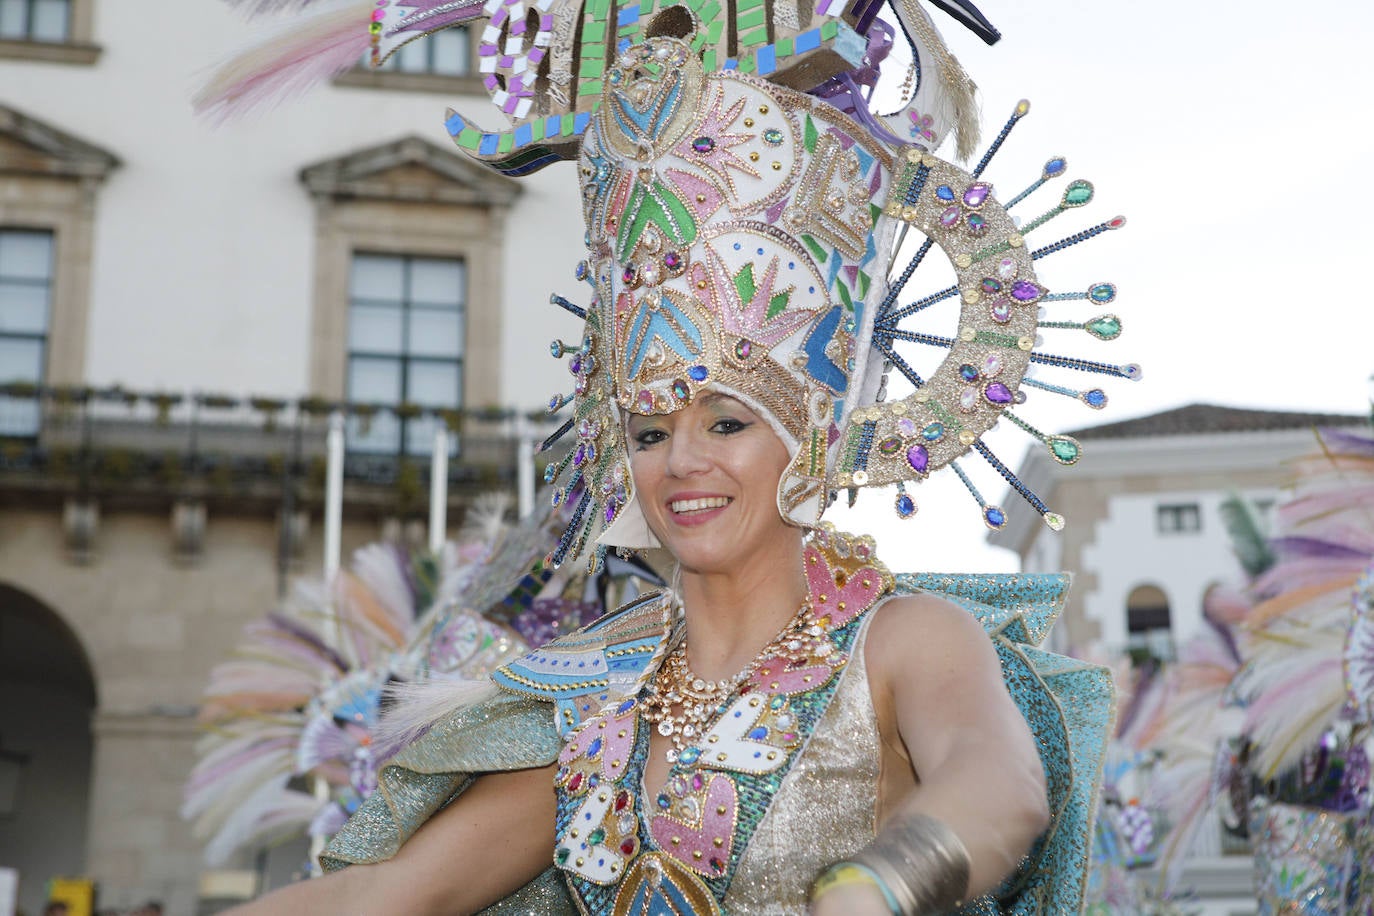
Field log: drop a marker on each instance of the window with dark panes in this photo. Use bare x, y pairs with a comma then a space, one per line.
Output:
35, 20
26, 269
1184, 518
444, 53
405, 345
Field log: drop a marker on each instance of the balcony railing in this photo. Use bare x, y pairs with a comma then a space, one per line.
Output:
128, 447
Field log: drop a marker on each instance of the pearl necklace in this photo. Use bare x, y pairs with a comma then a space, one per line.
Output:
698, 700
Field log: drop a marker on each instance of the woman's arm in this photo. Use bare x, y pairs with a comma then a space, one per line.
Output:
497, 837
935, 675
977, 767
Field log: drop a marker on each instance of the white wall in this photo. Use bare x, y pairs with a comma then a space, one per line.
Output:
1128, 551
204, 237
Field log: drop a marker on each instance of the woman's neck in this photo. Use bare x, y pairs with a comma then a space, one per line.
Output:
733, 615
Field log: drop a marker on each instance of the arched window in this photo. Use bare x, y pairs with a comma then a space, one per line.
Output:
1149, 634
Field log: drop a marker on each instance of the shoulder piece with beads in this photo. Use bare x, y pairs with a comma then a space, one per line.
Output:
600, 663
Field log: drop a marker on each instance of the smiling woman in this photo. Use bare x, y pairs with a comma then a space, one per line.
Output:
789, 727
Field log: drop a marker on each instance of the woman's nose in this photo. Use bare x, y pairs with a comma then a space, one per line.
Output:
686, 454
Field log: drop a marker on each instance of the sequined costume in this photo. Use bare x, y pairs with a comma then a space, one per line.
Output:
744, 209
747, 832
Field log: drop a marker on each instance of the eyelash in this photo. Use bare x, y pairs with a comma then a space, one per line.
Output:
649, 437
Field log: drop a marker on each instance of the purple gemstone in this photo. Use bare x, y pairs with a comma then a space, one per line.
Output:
743, 349
703, 144
949, 217
997, 393
672, 260
918, 458
1025, 291
575, 366
1000, 311
610, 511
580, 456
976, 194
628, 275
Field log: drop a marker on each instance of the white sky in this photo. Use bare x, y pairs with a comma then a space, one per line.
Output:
1236, 139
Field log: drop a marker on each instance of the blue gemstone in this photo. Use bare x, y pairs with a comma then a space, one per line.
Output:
906, 506
1102, 292
968, 373
625, 707
594, 748
933, 432
557, 497
1095, 398
995, 517
697, 373
689, 755
550, 473
665, 802
944, 192
1055, 167
759, 733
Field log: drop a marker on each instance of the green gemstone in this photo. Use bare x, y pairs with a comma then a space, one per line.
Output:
561, 855
1104, 327
596, 836
1064, 449
1078, 193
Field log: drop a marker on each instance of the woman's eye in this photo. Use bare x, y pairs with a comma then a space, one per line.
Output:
728, 425
647, 437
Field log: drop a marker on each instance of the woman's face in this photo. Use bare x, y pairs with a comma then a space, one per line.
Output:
706, 478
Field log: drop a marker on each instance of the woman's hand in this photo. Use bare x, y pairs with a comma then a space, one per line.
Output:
850, 900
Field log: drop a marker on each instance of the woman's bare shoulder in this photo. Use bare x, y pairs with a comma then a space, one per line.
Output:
927, 622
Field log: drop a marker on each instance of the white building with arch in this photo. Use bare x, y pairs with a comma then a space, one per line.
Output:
1145, 517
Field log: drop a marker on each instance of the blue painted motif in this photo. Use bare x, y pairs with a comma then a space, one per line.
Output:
819, 366
661, 320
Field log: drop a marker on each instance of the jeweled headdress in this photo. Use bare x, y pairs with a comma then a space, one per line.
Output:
745, 206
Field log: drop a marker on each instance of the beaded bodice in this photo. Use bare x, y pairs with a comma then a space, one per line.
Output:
826, 808
684, 846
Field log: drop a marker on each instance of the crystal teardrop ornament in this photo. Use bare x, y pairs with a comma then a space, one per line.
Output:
1077, 193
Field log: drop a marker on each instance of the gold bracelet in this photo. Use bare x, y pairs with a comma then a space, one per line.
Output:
921, 863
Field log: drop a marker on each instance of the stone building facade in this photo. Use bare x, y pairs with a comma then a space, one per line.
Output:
179, 306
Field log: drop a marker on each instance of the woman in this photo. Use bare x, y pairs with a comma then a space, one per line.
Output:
954, 755
781, 723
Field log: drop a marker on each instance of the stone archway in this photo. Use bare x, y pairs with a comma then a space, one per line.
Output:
47, 694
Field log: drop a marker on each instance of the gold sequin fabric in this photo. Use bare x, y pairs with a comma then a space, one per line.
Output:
834, 784
503, 733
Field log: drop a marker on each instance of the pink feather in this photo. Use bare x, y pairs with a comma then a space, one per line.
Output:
306, 54
1289, 717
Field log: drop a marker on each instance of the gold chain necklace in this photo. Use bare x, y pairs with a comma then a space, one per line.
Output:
697, 700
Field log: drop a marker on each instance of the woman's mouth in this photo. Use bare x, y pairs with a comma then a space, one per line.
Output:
700, 504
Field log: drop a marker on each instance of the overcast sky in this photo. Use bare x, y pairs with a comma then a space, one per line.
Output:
1236, 139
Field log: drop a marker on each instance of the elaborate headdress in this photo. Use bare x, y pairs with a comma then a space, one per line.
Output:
744, 208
